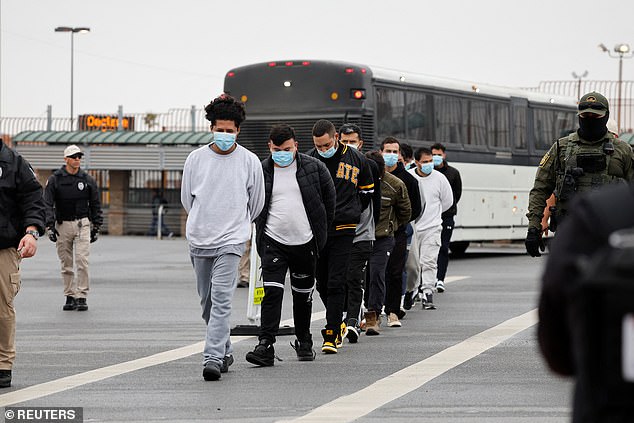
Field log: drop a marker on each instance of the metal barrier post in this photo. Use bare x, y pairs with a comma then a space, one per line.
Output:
159, 222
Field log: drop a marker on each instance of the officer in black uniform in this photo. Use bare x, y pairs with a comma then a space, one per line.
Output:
72, 206
21, 223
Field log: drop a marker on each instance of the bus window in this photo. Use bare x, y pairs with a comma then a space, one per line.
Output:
477, 130
390, 105
419, 113
543, 126
498, 126
565, 123
450, 125
519, 123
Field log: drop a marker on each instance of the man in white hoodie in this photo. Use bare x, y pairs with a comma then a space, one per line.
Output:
438, 196
223, 192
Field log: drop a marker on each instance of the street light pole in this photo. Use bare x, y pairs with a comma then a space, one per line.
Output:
622, 51
578, 78
72, 31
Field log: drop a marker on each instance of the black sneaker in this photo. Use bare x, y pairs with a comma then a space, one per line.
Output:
211, 371
5, 378
71, 304
304, 350
262, 355
408, 301
428, 302
353, 331
226, 362
400, 313
81, 304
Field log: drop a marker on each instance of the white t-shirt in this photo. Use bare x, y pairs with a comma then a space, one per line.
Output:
287, 222
438, 198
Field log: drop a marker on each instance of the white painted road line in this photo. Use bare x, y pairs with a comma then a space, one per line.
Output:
96, 375
354, 406
74, 381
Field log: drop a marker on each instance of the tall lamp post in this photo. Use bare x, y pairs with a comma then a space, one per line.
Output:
579, 78
72, 31
622, 51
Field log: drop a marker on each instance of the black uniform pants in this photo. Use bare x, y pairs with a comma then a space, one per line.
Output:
277, 259
355, 278
394, 273
443, 253
332, 266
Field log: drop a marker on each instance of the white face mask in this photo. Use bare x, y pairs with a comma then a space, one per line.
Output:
355, 146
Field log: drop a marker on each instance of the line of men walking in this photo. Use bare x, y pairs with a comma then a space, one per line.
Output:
333, 215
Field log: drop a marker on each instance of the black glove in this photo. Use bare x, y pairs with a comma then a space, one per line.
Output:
94, 234
52, 234
534, 242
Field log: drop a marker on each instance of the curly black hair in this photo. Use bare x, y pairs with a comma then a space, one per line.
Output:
225, 107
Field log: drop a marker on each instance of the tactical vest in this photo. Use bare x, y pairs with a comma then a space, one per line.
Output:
584, 167
72, 195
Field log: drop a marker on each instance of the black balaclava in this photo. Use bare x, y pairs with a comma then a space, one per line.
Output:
591, 129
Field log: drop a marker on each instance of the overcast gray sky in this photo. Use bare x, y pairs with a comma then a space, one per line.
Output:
153, 55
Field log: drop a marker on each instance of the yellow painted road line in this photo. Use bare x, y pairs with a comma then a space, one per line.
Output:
354, 406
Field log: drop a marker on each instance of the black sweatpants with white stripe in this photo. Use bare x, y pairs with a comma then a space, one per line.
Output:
277, 259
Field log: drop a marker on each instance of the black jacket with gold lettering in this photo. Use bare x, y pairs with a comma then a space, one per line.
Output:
351, 174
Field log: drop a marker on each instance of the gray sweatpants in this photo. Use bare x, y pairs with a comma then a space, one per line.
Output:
216, 279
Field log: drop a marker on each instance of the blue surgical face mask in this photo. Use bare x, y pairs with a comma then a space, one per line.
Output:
328, 153
437, 158
283, 158
390, 159
426, 168
224, 140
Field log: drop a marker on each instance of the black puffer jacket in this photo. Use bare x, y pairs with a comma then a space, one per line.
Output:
318, 195
21, 202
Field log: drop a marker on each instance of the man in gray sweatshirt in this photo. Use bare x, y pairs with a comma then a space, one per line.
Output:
223, 192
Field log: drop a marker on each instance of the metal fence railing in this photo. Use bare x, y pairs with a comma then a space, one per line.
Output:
609, 89
173, 120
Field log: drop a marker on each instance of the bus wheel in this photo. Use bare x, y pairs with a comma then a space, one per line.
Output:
459, 247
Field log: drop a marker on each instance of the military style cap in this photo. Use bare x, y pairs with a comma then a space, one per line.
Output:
593, 103
72, 150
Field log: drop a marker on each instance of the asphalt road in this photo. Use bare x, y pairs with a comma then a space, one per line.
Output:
135, 355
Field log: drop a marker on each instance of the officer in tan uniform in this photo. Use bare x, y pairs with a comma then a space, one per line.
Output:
582, 161
72, 207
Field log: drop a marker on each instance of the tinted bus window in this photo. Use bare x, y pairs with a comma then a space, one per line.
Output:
390, 106
498, 125
477, 130
419, 116
565, 123
519, 124
543, 127
450, 125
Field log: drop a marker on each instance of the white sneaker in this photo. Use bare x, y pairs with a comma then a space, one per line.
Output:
440, 286
392, 321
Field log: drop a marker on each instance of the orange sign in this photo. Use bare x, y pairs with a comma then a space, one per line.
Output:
105, 123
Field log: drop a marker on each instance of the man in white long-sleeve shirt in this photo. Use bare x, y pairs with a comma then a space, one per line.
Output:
436, 190
223, 192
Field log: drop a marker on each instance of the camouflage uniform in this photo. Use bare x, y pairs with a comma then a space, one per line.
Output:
559, 171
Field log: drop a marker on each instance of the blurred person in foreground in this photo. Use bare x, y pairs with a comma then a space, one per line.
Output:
586, 307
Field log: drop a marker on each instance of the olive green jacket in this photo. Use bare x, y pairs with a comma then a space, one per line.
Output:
551, 169
396, 209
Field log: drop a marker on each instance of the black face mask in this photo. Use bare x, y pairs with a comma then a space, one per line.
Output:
593, 129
